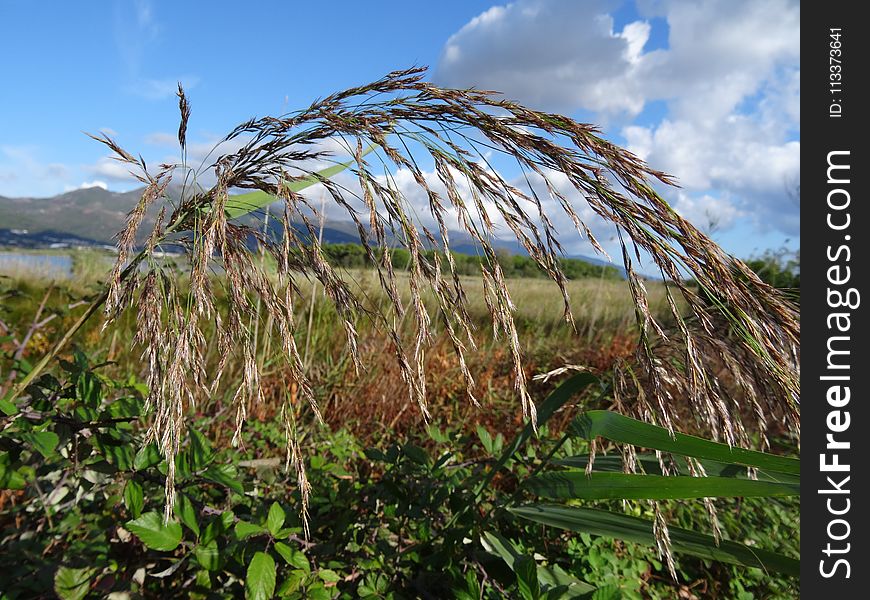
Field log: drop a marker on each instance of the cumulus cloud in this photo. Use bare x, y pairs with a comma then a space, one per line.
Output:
111, 169
729, 76
555, 55
86, 185
730, 158
708, 213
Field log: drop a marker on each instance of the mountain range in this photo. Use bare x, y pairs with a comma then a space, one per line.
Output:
92, 216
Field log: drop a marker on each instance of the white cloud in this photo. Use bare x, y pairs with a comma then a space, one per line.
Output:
87, 184
111, 169
162, 138
636, 35
551, 55
708, 213
729, 159
730, 78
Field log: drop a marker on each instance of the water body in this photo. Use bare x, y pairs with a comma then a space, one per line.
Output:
47, 265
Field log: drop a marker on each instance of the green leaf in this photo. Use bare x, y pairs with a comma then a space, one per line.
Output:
185, 511
471, 591
291, 583
634, 529
527, 578
8, 407
72, 584
154, 534
242, 204
416, 454
244, 529
43, 441
117, 452
200, 451
619, 428
551, 576
147, 456
375, 454
294, 557
610, 592
124, 408
275, 519
485, 438
329, 576
88, 388
10, 479
260, 578
224, 475
182, 466
208, 555
203, 580
677, 465
623, 486
134, 499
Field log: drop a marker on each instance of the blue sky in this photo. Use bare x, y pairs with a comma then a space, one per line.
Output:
708, 90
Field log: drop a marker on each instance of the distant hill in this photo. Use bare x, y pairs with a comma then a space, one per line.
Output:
91, 214
92, 217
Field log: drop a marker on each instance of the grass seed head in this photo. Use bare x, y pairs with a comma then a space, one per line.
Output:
406, 119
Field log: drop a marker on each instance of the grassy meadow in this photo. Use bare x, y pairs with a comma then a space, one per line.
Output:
603, 333
385, 486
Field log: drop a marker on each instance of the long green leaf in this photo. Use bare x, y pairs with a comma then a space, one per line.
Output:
242, 204
619, 428
634, 529
623, 486
527, 578
677, 465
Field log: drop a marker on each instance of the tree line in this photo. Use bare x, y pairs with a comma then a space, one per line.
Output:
354, 256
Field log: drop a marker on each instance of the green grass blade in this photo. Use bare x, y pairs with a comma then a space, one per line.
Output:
619, 428
242, 204
678, 466
625, 527
618, 486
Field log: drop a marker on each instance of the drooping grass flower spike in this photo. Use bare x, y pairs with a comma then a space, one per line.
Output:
388, 133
